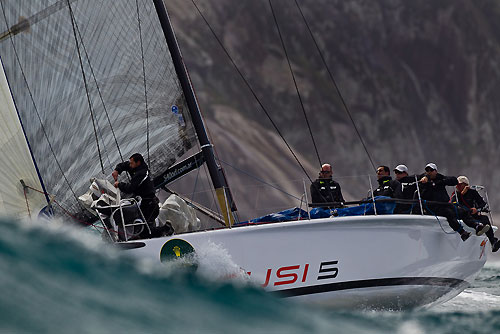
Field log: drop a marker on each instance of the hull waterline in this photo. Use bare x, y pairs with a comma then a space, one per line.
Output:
386, 262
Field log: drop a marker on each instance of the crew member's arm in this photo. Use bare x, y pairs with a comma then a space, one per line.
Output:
397, 191
448, 181
340, 197
315, 194
121, 167
135, 182
479, 203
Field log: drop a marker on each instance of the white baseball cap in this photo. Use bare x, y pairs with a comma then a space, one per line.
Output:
463, 179
431, 165
401, 168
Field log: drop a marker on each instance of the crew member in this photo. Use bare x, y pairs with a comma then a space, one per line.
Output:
470, 200
325, 190
140, 185
408, 186
386, 185
433, 188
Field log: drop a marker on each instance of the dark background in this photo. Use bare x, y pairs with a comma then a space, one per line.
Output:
421, 80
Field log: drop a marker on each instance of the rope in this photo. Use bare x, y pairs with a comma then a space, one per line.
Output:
36, 110
207, 175
195, 183
336, 86
27, 204
295, 82
260, 180
252, 91
439, 221
144, 79
98, 91
85, 84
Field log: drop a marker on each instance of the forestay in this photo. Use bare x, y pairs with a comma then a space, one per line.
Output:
93, 82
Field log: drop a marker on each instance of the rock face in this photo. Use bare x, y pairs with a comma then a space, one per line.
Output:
420, 79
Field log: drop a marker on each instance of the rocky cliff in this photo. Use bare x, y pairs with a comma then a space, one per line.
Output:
420, 79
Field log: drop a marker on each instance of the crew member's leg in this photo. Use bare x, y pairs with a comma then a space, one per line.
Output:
468, 220
150, 209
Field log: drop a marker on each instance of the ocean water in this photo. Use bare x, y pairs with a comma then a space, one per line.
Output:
60, 279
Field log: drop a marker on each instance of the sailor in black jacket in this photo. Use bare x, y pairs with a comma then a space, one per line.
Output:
386, 185
470, 200
408, 188
140, 185
325, 190
433, 188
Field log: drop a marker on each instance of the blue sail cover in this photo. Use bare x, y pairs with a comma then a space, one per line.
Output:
383, 208
282, 216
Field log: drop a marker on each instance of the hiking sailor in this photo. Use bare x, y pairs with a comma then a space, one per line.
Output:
433, 188
325, 190
470, 200
140, 185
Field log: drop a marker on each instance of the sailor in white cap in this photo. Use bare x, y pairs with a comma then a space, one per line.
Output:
470, 200
408, 188
433, 190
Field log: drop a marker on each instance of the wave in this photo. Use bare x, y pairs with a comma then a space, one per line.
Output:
59, 278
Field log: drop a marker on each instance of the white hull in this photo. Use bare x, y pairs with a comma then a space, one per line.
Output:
395, 262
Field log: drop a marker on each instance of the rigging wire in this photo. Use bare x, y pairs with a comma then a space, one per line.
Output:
195, 183
258, 179
144, 79
98, 90
336, 86
37, 113
85, 84
207, 175
294, 81
252, 91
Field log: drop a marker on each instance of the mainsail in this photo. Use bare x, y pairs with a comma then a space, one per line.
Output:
93, 82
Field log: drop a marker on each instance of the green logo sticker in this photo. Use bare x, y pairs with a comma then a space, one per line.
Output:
175, 248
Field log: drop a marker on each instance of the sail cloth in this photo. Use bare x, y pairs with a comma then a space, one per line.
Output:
93, 82
15, 161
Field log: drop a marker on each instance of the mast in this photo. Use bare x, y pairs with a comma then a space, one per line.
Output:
217, 176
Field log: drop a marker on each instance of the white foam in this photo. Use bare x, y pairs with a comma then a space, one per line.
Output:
410, 327
215, 263
471, 301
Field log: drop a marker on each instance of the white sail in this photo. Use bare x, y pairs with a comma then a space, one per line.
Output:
16, 163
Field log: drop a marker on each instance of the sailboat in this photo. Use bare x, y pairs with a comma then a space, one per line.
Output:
84, 84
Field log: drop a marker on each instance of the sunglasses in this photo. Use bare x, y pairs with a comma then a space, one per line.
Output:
398, 172
429, 169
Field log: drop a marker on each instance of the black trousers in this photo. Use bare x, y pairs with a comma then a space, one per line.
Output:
466, 217
150, 208
446, 211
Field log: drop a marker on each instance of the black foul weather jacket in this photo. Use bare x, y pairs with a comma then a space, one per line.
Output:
326, 191
435, 190
388, 187
408, 187
140, 182
471, 199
